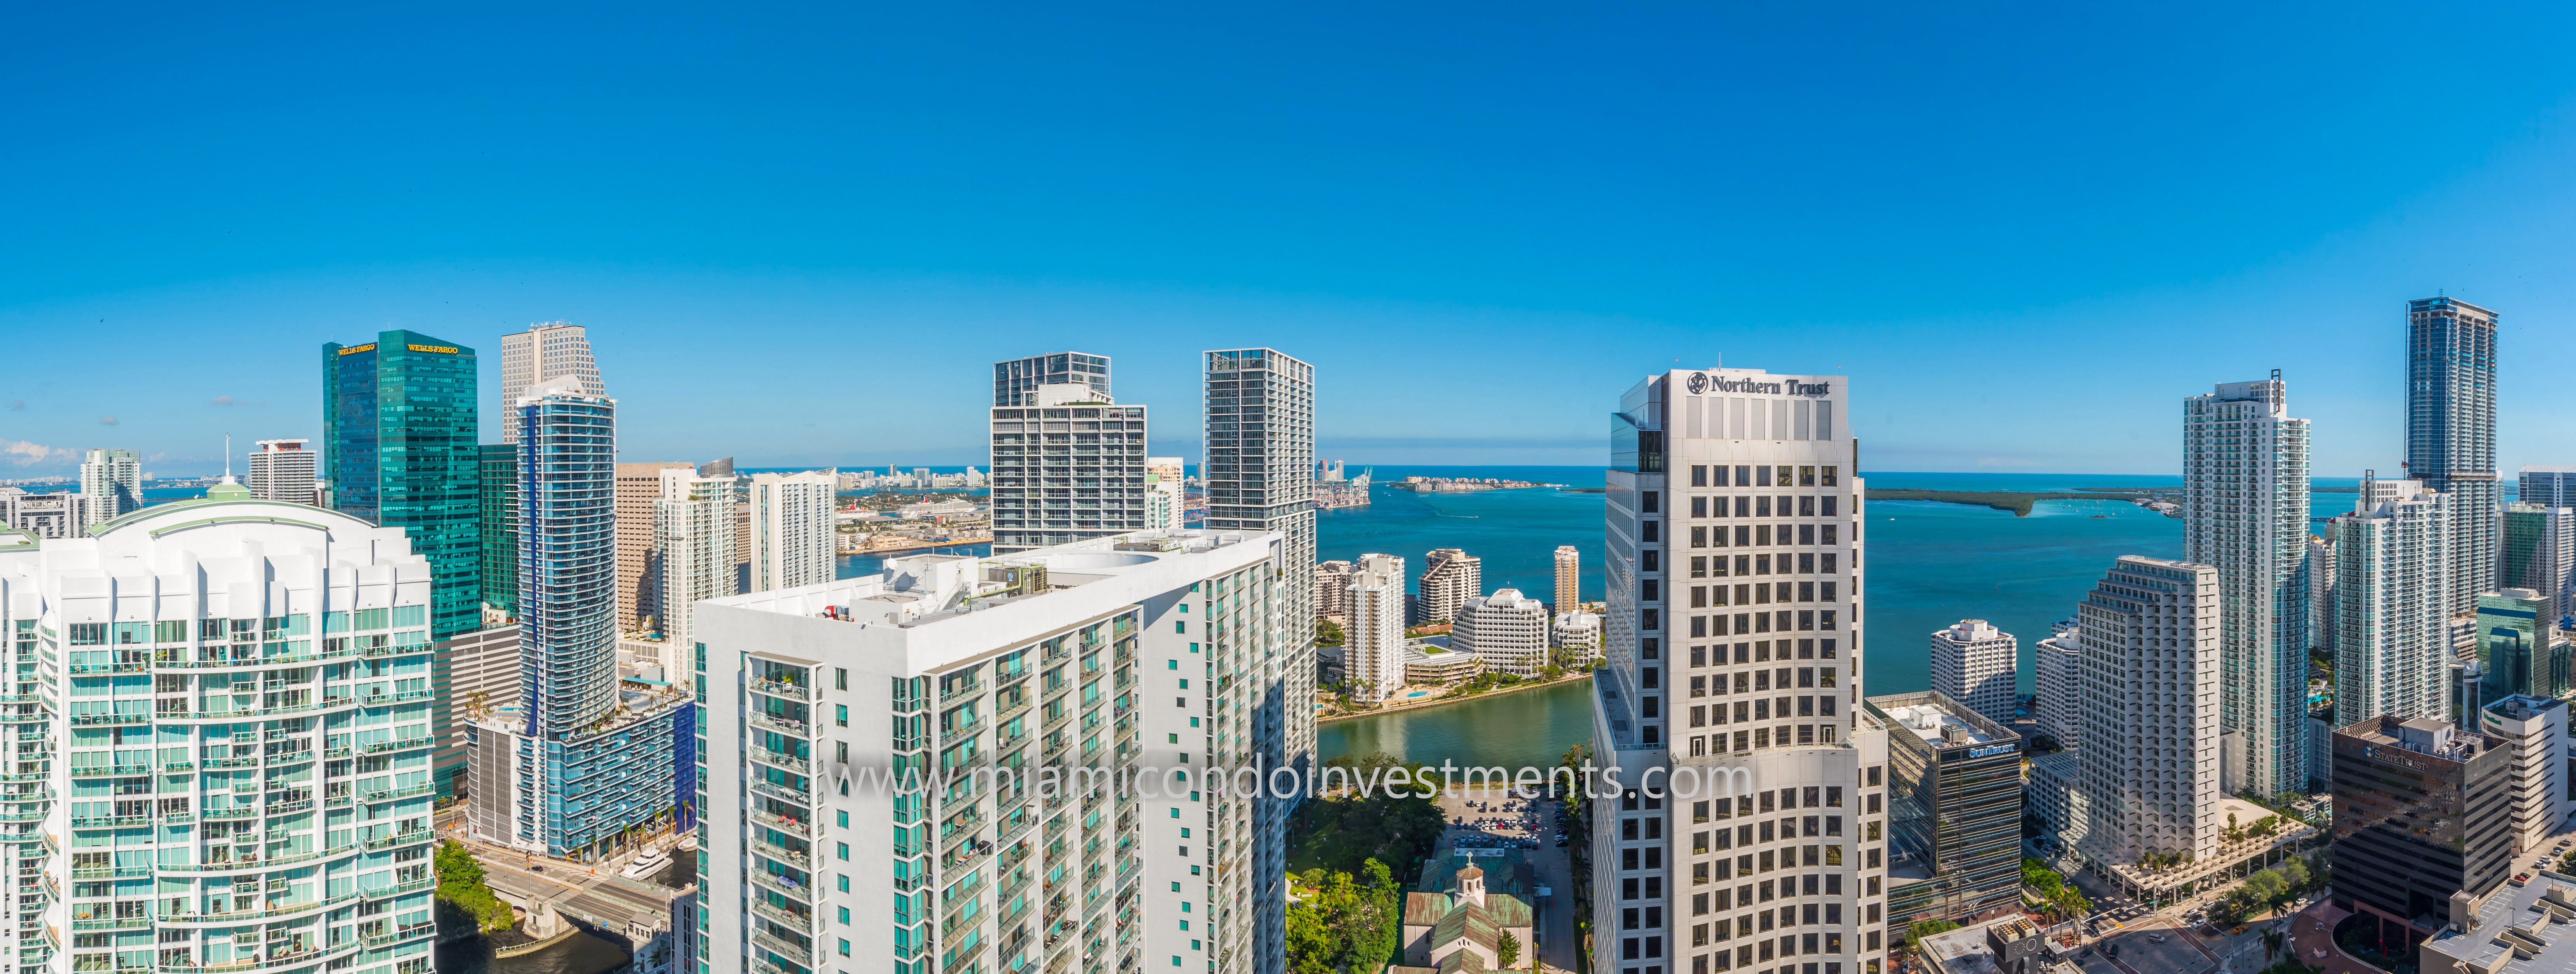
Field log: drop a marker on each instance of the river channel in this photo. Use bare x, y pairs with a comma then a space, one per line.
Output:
1529, 728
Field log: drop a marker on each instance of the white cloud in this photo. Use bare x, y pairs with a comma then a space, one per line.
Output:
107, 421
25, 454
223, 400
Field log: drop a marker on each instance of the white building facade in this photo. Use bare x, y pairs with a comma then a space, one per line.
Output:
2150, 738
1577, 637
2058, 684
283, 470
2534, 730
232, 763
2245, 485
544, 351
1975, 664
1067, 465
1507, 630
1000, 686
113, 481
791, 529
1165, 498
1734, 663
2392, 640
1373, 640
693, 550
1449, 578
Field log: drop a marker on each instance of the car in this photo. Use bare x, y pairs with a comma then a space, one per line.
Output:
2157, 937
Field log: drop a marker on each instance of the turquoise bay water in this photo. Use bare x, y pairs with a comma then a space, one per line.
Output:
1930, 564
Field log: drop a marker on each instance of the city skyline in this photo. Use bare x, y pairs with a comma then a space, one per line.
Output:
1206, 202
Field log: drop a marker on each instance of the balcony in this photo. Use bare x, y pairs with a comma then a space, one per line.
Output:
387, 747
110, 821
784, 824
391, 841
777, 688
373, 797
780, 946
784, 885
105, 720
784, 725
784, 918
783, 793
398, 889
118, 923
795, 764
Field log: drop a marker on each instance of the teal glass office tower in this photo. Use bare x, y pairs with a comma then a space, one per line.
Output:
501, 527
400, 450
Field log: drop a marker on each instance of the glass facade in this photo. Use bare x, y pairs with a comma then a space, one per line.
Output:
567, 460
500, 527
398, 428
2420, 813
1954, 811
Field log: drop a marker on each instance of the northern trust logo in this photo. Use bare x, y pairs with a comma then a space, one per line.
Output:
1700, 382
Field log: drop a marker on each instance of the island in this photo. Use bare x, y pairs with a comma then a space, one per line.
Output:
2158, 499
1460, 485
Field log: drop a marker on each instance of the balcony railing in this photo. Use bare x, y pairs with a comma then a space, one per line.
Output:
779, 688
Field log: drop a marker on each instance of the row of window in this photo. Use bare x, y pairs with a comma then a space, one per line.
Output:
1763, 680
1746, 624
1761, 505
1759, 535
1762, 710
1761, 738
1781, 475
1762, 593
1760, 652
1805, 563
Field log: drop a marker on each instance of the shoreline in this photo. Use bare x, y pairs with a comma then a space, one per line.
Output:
1439, 701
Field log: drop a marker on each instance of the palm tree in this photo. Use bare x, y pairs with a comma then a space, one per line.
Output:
2271, 944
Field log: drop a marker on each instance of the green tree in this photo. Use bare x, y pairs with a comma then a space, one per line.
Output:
1328, 633
1508, 951
463, 893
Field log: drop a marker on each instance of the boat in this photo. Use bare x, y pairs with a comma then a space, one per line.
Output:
647, 864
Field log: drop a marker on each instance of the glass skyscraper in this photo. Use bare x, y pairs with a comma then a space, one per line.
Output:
2450, 431
398, 429
500, 527
575, 767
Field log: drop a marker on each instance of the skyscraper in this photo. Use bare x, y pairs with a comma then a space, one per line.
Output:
791, 529
2450, 432
976, 677
578, 769
2518, 646
2538, 551
2245, 486
317, 623
1164, 498
693, 550
2392, 590
639, 495
500, 527
1015, 381
1569, 579
1449, 578
1068, 464
283, 470
113, 480
1734, 660
543, 352
400, 448
1974, 664
2058, 683
2151, 772
1260, 476
2549, 486
1373, 641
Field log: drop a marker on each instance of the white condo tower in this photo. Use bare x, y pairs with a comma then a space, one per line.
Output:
2245, 481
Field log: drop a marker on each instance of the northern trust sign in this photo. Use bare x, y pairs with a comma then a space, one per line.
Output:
1701, 382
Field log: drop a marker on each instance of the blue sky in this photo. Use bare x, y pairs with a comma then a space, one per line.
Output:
2024, 231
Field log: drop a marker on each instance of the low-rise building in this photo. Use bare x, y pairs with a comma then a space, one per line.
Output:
1577, 636
1466, 903
1425, 663
2524, 929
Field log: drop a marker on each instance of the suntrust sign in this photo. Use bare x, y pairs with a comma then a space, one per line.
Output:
1700, 382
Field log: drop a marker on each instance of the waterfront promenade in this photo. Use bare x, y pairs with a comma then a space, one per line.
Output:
1426, 703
